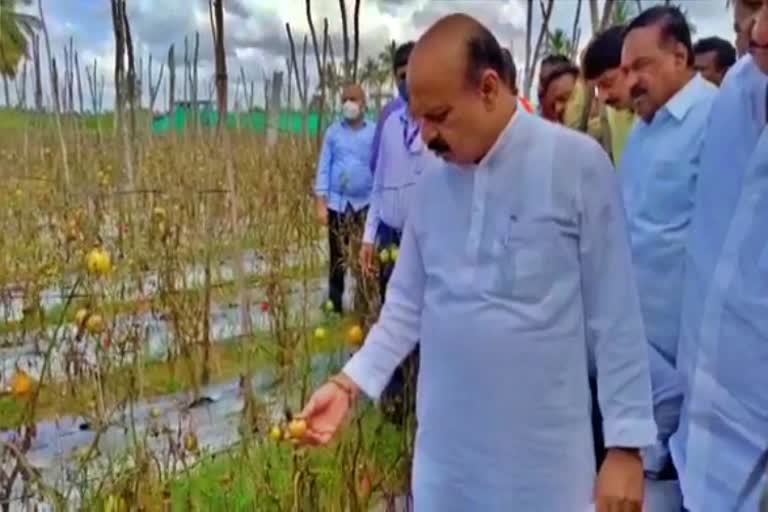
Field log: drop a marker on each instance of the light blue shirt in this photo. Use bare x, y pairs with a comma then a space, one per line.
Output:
402, 158
388, 109
507, 270
659, 169
723, 354
343, 173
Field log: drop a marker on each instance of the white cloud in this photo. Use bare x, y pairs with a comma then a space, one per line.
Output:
257, 41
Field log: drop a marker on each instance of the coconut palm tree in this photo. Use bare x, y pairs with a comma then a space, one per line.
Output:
559, 43
387, 60
16, 28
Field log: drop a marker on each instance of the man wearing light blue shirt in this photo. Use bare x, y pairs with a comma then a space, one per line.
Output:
399, 64
721, 446
659, 169
514, 258
343, 187
401, 160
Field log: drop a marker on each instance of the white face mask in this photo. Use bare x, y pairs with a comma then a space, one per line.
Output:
351, 110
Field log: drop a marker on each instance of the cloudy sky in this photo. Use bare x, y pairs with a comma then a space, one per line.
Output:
256, 37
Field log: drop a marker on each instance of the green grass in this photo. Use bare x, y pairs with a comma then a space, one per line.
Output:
260, 476
18, 120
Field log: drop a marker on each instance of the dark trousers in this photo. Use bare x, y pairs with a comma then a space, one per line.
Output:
597, 426
344, 234
398, 397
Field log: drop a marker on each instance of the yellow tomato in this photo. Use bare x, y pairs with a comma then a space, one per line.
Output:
355, 335
22, 383
98, 261
94, 324
320, 333
297, 428
276, 433
384, 256
190, 442
394, 252
80, 317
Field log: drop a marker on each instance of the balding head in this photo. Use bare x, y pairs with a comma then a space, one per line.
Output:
458, 88
353, 102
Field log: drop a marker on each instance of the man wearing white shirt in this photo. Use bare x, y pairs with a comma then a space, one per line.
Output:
514, 257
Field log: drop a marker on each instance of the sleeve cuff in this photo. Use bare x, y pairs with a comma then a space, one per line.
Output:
365, 374
630, 433
655, 457
369, 236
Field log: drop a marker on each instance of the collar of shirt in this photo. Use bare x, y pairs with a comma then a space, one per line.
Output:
679, 104
502, 141
411, 130
348, 126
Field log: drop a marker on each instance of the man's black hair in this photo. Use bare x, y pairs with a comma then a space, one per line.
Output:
604, 52
558, 70
725, 52
402, 54
555, 59
483, 52
511, 69
674, 26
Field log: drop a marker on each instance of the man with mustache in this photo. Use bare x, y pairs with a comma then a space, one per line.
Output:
714, 57
602, 69
721, 446
744, 12
513, 260
659, 170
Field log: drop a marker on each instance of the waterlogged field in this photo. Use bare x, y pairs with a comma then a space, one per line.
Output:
161, 320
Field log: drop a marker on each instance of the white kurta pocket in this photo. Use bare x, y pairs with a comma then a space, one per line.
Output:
522, 262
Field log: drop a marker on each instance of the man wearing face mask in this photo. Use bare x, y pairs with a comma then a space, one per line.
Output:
721, 446
514, 258
659, 169
402, 158
399, 63
343, 186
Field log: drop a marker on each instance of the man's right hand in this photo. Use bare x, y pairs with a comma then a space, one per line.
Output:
366, 257
321, 208
327, 408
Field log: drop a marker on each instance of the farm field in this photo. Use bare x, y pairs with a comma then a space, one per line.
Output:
158, 324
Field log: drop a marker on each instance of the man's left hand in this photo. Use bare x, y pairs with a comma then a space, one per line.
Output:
621, 482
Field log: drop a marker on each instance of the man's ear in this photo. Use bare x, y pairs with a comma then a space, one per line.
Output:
490, 84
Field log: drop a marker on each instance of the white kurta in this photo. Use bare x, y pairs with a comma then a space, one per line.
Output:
507, 271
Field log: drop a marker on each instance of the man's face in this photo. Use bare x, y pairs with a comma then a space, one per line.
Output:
744, 13
453, 111
654, 69
706, 64
612, 89
354, 94
556, 97
400, 75
759, 38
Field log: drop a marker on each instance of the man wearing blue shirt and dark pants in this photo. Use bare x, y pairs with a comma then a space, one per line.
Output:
343, 187
659, 170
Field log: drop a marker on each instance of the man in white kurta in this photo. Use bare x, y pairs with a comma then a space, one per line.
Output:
509, 268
